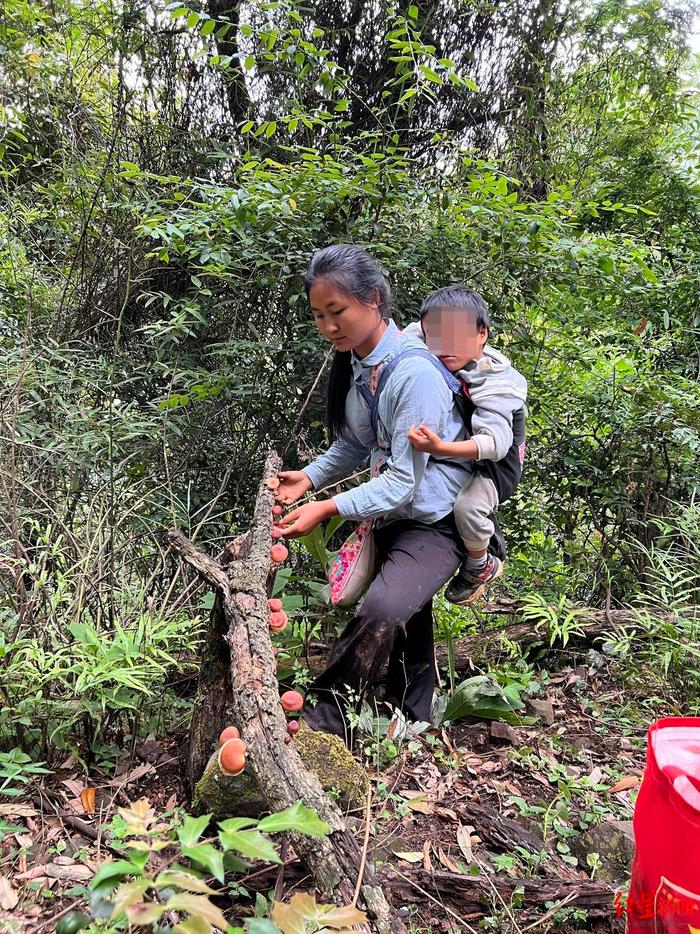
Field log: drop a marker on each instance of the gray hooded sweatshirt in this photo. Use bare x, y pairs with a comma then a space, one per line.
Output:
497, 390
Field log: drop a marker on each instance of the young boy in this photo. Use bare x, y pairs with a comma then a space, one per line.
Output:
455, 325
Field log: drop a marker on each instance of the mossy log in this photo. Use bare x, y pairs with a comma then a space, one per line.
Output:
326, 756
247, 688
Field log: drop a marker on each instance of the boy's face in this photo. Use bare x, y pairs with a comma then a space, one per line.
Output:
452, 335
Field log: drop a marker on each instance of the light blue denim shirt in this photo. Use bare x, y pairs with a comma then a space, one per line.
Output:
410, 486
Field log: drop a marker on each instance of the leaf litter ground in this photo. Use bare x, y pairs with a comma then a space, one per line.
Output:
479, 801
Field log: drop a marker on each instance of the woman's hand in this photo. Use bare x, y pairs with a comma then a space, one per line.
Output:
423, 439
293, 485
303, 520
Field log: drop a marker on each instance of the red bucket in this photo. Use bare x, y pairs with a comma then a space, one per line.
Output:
665, 887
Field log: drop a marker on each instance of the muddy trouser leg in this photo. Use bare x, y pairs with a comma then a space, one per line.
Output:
390, 637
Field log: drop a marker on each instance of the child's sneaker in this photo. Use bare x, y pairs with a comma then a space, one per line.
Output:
466, 587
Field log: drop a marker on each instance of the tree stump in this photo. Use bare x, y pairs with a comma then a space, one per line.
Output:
238, 675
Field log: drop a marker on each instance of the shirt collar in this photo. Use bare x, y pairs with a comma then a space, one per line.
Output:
378, 355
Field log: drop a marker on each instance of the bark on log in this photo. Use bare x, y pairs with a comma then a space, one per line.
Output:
475, 895
242, 612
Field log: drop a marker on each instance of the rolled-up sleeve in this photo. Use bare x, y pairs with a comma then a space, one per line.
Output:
416, 394
493, 433
341, 458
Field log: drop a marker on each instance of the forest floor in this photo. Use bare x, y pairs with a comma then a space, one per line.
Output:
552, 800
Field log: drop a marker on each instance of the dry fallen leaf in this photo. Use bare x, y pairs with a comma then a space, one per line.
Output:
8, 896
75, 873
17, 810
447, 813
133, 776
34, 873
418, 801
629, 781
413, 857
421, 805
464, 843
87, 798
427, 863
446, 861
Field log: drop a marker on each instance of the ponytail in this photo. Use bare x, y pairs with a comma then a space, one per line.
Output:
339, 383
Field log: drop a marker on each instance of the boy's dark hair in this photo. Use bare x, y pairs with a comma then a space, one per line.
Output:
351, 270
458, 296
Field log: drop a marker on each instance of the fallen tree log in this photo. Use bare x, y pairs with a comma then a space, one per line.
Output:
473, 897
476, 896
238, 675
594, 624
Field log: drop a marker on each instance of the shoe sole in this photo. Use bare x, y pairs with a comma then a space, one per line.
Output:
480, 590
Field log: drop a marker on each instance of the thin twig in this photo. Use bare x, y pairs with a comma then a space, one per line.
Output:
552, 911
365, 847
433, 899
293, 432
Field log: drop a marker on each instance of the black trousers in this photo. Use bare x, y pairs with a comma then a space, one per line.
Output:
387, 647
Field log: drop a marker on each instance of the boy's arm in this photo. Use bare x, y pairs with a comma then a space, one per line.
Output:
423, 439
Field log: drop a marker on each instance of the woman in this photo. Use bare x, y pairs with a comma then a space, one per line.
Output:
388, 645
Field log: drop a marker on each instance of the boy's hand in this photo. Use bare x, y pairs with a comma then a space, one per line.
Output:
303, 520
423, 439
293, 484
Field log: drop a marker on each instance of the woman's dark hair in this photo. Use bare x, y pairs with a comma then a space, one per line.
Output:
352, 271
458, 296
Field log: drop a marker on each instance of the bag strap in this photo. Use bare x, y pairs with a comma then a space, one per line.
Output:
388, 368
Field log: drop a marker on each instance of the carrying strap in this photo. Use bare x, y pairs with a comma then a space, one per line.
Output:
385, 371
505, 473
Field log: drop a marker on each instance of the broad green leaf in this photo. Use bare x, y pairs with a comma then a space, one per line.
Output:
142, 914
208, 28
115, 870
128, 894
192, 829
297, 817
237, 823
194, 925
431, 75
303, 910
199, 906
331, 526
207, 856
261, 926
183, 880
250, 843
482, 698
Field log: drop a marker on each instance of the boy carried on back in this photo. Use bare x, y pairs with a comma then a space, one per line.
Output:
455, 325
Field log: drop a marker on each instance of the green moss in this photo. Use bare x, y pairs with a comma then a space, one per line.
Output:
227, 795
239, 795
330, 759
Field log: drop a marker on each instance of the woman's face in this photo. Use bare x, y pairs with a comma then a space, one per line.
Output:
343, 320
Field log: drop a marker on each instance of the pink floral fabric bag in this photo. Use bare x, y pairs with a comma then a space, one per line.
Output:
351, 571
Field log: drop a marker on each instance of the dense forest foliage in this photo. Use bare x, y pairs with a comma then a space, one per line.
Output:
167, 172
